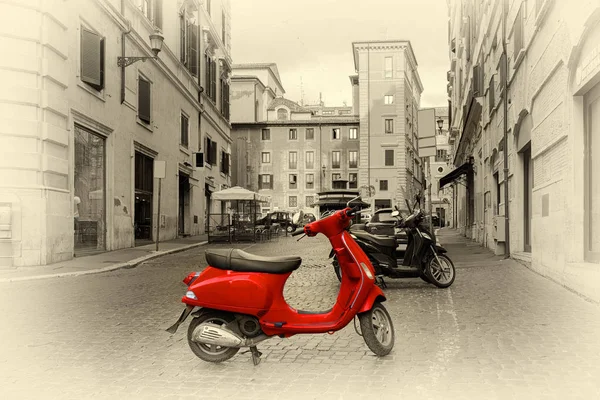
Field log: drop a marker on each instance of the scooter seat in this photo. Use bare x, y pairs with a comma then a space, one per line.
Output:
379, 240
240, 261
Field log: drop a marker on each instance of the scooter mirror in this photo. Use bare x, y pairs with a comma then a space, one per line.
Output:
395, 213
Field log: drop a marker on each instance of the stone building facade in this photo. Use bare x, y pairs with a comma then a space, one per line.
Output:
79, 133
552, 78
387, 92
284, 150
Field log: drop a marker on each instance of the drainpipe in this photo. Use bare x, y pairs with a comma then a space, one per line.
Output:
320, 157
369, 122
505, 139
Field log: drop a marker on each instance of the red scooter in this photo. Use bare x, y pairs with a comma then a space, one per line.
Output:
241, 301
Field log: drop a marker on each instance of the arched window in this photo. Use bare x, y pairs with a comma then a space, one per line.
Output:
282, 114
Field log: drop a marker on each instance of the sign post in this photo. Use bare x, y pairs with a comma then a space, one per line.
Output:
160, 172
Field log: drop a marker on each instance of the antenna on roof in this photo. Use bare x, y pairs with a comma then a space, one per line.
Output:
321, 99
301, 92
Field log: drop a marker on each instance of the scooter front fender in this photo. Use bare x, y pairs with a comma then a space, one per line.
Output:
374, 296
440, 249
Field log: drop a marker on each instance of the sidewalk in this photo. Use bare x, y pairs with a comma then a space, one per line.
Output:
465, 252
109, 261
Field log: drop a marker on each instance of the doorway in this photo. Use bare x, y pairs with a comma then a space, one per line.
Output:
184, 203
144, 188
527, 197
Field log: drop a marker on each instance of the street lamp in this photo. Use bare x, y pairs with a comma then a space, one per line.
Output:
440, 124
156, 42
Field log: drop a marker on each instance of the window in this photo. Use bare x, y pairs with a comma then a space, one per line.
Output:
389, 99
188, 33
592, 177
310, 181
293, 161
282, 114
353, 180
92, 59
223, 29
335, 184
389, 126
210, 77
353, 133
185, 127
353, 159
491, 99
224, 162
144, 96
208, 6
383, 185
225, 98
389, 157
266, 134
293, 181
336, 159
336, 133
388, 67
310, 133
380, 203
152, 9
293, 134
211, 152
293, 201
266, 157
518, 32
310, 200
265, 181
310, 159
441, 155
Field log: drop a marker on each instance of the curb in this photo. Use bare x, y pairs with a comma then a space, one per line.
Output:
128, 264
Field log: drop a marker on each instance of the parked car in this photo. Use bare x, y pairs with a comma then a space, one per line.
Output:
382, 223
283, 218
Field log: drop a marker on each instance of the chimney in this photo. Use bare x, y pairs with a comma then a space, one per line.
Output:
355, 94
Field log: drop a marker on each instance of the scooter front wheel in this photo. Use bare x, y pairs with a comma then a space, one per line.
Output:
441, 273
209, 352
378, 330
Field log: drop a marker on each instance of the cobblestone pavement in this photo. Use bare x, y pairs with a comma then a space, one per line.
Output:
500, 332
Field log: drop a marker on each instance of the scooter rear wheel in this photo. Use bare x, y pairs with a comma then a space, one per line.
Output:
378, 330
207, 352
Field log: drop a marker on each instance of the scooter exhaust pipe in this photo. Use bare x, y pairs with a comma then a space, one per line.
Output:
209, 333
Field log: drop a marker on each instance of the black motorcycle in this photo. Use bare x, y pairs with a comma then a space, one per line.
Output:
423, 257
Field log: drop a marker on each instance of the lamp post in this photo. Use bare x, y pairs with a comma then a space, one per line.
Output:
156, 42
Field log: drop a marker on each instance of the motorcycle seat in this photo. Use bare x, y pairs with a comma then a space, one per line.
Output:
379, 240
240, 261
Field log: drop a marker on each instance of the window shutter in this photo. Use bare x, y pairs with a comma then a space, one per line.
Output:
477, 86
182, 46
468, 38
144, 100
207, 74
193, 49
213, 151
91, 58
389, 157
271, 182
158, 6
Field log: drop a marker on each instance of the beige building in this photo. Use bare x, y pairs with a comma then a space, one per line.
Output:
387, 92
552, 81
79, 133
284, 150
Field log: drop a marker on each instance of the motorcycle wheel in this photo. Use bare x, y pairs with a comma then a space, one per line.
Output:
209, 352
337, 269
290, 229
441, 276
377, 330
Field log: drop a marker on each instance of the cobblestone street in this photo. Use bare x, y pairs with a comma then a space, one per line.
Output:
501, 331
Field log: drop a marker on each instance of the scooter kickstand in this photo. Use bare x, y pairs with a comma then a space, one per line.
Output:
255, 355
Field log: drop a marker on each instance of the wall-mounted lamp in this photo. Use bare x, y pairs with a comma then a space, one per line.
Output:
156, 42
440, 124
323, 168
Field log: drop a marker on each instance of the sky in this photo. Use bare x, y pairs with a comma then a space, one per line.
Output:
311, 42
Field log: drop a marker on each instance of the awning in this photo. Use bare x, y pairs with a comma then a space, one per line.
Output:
464, 169
238, 193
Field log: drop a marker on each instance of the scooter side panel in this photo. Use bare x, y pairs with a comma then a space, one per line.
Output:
248, 293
